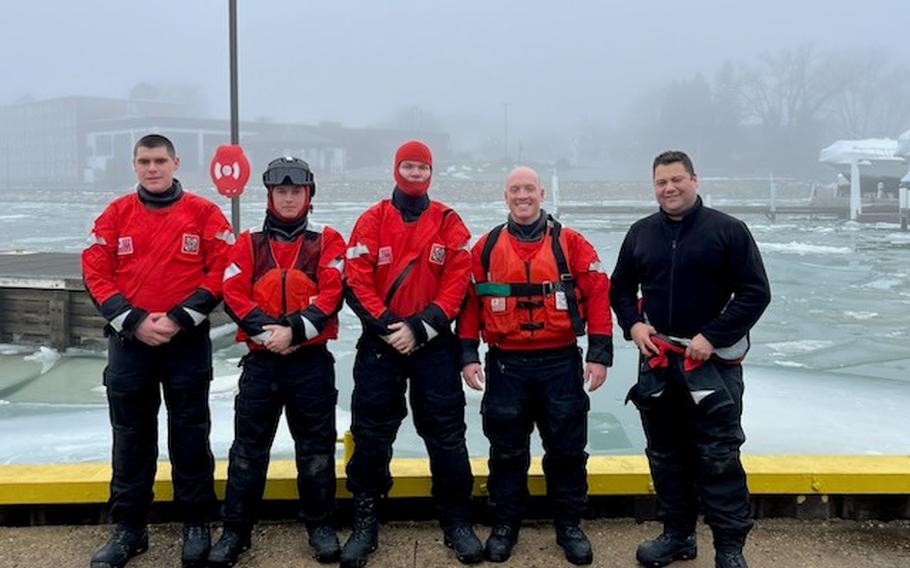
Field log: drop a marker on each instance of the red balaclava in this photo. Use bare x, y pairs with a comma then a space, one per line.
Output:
416, 151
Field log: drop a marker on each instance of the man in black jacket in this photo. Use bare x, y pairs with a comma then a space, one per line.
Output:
688, 286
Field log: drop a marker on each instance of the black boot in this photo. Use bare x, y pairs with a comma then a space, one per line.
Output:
324, 541
229, 547
730, 559
500, 543
460, 537
665, 549
197, 539
365, 537
574, 543
123, 544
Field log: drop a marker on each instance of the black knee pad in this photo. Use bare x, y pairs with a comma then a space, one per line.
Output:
313, 466
719, 461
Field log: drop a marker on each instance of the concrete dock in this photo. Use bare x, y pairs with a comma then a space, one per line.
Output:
777, 543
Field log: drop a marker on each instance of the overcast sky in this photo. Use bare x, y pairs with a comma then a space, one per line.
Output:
358, 62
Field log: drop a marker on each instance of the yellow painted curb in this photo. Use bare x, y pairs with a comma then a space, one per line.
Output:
607, 475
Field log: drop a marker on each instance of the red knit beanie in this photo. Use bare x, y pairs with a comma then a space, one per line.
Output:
415, 151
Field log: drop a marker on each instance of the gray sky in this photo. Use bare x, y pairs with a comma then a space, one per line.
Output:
358, 62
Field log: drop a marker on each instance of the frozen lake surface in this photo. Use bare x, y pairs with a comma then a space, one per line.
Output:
828, 372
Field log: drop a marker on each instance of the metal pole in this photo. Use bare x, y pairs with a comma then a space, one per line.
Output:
235, 122
856, 204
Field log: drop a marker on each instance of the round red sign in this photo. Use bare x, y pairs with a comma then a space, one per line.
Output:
230, 170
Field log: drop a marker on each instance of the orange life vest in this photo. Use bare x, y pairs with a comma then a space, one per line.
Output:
528, 304
282, 291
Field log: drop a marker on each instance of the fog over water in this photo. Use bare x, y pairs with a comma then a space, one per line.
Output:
742, 86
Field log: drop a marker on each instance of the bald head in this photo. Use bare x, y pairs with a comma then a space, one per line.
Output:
524, 195
522, 175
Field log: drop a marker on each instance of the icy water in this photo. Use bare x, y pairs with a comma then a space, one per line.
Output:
828, 372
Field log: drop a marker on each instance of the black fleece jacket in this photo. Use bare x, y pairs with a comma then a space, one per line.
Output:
701, 274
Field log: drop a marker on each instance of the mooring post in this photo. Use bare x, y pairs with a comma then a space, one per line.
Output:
59, 319
772, 198
904, 211
554, 187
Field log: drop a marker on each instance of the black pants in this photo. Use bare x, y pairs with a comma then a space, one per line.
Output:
437, 400
694, 457
544, 388
303, 384
135, 376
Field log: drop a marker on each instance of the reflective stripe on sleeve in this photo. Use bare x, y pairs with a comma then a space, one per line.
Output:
117, 322
226, 236
231, 271
310, 330
198, 317
357, 250
337, 264
94, 239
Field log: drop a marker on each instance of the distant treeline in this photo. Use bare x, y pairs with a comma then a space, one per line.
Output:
771, 114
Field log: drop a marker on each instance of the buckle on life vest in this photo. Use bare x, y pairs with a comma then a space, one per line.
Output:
731, 354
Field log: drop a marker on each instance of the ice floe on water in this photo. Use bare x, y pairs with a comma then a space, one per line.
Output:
792, 364
224, 386
46, 356
802, 249
10, 349
883, 283
223, 330
799, 346
860, 315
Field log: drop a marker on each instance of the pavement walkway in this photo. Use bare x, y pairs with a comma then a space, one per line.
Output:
774, 543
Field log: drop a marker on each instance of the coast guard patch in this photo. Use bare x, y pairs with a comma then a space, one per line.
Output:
437, 254
384, 256
124, 246
190, 244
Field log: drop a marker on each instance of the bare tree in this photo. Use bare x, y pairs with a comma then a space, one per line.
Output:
875, 99
791, 87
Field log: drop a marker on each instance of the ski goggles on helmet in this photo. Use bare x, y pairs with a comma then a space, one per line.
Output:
287, 170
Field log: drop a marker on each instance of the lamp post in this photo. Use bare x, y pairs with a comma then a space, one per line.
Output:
235, 122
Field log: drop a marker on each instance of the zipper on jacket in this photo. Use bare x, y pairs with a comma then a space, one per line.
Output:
672, 273
284, 295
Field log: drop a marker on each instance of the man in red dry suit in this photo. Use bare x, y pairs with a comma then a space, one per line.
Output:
407, 272
153, 267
